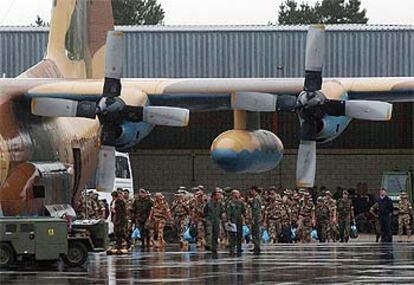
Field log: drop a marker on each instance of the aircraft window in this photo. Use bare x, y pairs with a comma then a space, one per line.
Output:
26, 228
11, 228
122, 168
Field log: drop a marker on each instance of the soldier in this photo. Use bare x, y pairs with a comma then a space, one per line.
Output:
404, 216
274, 219
306, 218
287, 197
255, 204
93, 205
102, 214
119, 220
374, 210
330, 202
235, 215
81, 207
322, 219
294, 211
128, 203
160, 214
213, 211
226, 192
181, 211
141, 209
345, 213
197, 215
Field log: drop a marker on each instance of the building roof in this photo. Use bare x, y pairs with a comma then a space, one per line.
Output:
230, 28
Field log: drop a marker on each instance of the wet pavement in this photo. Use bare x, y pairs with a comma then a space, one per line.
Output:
359, 262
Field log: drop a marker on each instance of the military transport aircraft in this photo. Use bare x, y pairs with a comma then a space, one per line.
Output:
62, 119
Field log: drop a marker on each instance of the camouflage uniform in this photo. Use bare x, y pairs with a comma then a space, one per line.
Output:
180, 210
404, 216
212, 214
160, 215
345, 214
255, 205
306, 214
374, 210
235, 214
322, 216
197, 205
93, 206
119, 219
81, 208
332, 231
278, 218
294, 212
141, 209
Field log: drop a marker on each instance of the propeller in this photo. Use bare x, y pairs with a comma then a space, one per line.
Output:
311, 106
111, 109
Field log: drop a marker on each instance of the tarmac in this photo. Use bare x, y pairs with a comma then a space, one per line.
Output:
361, 261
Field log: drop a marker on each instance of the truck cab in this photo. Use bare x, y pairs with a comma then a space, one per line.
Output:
123, 172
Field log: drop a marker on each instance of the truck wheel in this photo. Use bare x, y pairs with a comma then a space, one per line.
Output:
77, 254
7, 255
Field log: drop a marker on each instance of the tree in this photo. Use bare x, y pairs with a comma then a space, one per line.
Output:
328, 12
39, 22
137, 12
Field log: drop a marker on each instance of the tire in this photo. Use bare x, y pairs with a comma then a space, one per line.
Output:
77, 254
7, 255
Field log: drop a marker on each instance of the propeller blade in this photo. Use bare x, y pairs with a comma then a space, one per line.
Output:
368, 110
166, 116
159, 116
53, 107
105, 172
113, 64
315, 53
262, 102
306, 164
308, 129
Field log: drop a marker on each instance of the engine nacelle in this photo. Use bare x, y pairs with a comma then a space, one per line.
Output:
329, 128
127, 134
247, 151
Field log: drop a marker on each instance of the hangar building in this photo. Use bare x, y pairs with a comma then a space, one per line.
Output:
171, 157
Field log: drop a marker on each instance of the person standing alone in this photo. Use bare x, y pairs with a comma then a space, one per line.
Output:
385, 209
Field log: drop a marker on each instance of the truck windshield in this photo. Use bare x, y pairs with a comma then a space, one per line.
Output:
122, 168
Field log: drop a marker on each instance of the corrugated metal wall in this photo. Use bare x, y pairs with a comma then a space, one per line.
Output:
235, 51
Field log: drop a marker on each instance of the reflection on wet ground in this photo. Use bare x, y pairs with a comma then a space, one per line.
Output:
354, 263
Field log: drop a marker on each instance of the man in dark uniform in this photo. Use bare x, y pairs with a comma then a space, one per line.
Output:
141, 209
119, 219
256, 206
385, 210
235, 215
212, 214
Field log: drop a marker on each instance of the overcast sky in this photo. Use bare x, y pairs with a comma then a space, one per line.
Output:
215, 12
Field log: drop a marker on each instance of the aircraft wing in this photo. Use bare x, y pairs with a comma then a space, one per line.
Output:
210, 94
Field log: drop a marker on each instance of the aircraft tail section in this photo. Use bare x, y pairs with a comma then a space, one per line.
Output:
77, 40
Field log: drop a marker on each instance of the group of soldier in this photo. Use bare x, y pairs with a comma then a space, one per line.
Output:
220, 217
